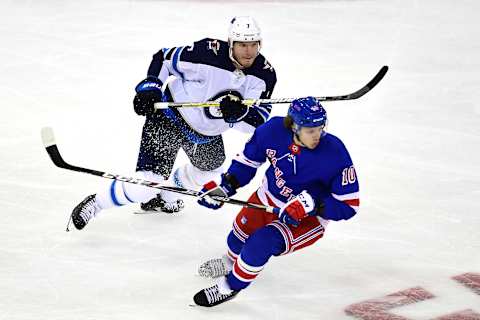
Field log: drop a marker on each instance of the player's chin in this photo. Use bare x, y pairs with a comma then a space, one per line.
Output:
313, 145
247, 63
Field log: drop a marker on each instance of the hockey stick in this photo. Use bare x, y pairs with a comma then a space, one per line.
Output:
48, 139
354, 95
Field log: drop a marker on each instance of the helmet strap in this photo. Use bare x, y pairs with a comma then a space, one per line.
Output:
296, 129
298, 139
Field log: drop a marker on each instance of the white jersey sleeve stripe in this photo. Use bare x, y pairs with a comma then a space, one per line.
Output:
240, 157
266, 107
347, 196
262, 113
351, 199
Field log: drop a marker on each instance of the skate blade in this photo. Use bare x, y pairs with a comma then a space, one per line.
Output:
140, 212
145, 212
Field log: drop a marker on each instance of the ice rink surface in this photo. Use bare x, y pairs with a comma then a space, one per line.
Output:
415, 141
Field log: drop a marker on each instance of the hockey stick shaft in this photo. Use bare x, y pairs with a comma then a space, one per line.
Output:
48, 139
351, 96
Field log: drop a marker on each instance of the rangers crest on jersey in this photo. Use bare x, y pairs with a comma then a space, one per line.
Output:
294, 148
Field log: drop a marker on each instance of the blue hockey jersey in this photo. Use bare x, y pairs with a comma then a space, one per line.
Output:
326, 172
203, 72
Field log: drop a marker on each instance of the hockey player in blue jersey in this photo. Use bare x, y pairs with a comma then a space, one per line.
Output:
210, 69
311, 178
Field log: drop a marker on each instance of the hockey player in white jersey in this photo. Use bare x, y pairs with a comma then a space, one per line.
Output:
210, 69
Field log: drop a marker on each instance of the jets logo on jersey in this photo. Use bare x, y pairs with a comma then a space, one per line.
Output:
214, 46
215, 112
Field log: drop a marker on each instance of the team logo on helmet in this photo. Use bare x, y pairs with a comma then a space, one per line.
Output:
307, 112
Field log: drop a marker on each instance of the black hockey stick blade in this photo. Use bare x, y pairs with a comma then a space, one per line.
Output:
360, 92
48, 139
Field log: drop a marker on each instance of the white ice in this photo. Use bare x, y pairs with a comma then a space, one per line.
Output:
415, 140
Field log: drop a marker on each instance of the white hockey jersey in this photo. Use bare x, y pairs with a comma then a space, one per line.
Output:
204, 72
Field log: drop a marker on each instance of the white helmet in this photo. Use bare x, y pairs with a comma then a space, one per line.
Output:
243, 29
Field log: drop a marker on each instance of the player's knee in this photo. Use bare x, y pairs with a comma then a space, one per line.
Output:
266, 241
209, 156
210, 162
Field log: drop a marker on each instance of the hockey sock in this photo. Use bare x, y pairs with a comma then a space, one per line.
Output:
235, 245
256, 252
120, 193
190, 177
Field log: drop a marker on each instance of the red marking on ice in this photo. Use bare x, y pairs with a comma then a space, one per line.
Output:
471, 280
374, 309
461, 315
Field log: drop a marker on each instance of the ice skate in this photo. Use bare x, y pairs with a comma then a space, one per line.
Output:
84, 212
158, 204
214, 295
215, 268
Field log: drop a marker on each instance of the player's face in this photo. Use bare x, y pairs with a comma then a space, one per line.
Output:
245, 52
310, 136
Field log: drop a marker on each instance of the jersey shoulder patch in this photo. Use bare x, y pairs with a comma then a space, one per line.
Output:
208, 51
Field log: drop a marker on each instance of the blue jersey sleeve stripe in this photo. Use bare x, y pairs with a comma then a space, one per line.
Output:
262, 113
176, 58
168, 53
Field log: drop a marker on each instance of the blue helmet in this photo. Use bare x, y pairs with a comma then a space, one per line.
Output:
307, 112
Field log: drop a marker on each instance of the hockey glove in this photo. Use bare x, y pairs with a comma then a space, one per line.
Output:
226, 189
298, 208
148, 91
233, 110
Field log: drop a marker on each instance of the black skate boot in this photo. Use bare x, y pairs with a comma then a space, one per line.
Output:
212, 296
158, 204
84, 211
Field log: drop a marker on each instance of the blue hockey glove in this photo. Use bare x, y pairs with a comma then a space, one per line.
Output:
233, 110
148, 91
226, 189
297, 209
